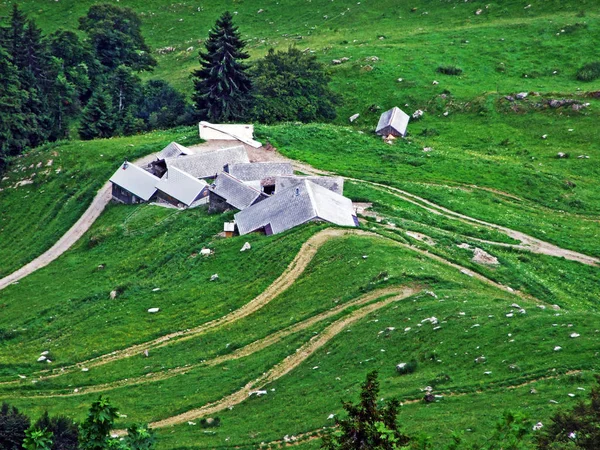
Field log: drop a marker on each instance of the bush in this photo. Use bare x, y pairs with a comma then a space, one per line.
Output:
449, 70
589, 72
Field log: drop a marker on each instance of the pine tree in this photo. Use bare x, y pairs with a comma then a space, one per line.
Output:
13, 133
222, 87
97, 120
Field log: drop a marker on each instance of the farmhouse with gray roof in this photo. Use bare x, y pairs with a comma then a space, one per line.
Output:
180, 188
393, 122
294, 206
228, 192
205, 164
173, 150
132, 184
334, 184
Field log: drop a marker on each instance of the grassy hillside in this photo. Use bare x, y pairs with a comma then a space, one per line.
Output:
349, 303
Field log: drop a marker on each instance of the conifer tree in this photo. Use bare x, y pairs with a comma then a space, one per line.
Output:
221, 85
97, 120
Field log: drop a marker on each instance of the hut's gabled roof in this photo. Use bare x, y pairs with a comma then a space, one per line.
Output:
393, 121
173, 150
136, 180
235, 192
181, 186
209, 164
294, 206
334, 184
259, 171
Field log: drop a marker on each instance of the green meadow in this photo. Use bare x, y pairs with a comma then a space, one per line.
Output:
474, 152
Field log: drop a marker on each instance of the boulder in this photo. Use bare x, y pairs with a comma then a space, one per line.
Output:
205, 251
353, 117
521, 95
245, 247
113, 294
42, 358
336, 61
480, 359
214, 277
153, 310
482, 257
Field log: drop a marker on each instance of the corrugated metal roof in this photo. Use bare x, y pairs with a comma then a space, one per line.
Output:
334, 184
209, 164
173, 150
236, 193
135, 180
394, 118
259, 171
294, 206
181, 186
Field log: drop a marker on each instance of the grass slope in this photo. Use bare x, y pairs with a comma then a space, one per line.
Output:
488, 160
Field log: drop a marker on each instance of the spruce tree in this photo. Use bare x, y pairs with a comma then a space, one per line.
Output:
97, 120
221, 85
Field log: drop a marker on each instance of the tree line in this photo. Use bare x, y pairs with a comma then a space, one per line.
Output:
52, 84
62, 433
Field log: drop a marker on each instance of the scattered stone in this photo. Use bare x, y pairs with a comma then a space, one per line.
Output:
191, 423
245, 247
562, 155
482, 257
521, 95
367, 68
400, 80
532, 391
509, 315
353, 117
372, 59
544, 136
538, 426
155, 289
487, 373
100, 267
84, 369
153, 310
427, 149
257, 393
22, 377
205, 251
336, 61
45, 353
330, 416
344, 59
49, 163
401, 367
113, 295
556, 307
571, 395
480, 359
260, 11
575, 335
478, 12
417, 114
146, 354
42, 358
214, 277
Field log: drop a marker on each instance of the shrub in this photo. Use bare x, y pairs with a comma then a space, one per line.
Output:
589, 72
449, 70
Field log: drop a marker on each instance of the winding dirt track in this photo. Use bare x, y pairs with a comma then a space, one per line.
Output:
67, 240
281, 369
282, 283
241, 352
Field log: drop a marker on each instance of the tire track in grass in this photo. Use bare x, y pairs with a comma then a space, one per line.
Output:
241, 352
279, 370
281, 284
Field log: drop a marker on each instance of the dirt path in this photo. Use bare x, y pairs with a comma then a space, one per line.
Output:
281, 369
282, 283
241, 352
83, 224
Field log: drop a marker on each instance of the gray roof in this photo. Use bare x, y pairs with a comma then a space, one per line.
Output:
295, 206
181, 186
259, 171
334, 184
173, 150
236, 193
209, 164
393, 120
136, 180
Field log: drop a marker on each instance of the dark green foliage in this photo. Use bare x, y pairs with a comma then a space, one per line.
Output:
14, 120
221, 85
575, 429
589, 72
37, 439
140, 437
116, 37
12, 427
449, 70
98, 117
162, 106
292, 86
64, 430
510, 433
369, 425
94, 432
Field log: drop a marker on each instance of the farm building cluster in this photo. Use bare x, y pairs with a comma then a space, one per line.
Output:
268, 196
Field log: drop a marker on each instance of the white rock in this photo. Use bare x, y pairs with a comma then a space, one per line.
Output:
544, 136
22, 377
191, 423
257, 393
571, 395
245, 247
353, 117
41, 358
45, 353
330, 416
575, 335
558, 348
153, 310
521, 95
84, 369
155, 289
538, 426
435, 82
214, 277
205, 252
113, 294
